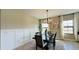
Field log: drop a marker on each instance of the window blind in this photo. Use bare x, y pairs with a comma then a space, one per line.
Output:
68, 17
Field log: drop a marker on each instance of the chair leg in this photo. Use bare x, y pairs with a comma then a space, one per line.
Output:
46, 47
36, 47
54, 45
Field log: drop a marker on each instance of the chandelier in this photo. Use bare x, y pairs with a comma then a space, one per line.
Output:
47, 15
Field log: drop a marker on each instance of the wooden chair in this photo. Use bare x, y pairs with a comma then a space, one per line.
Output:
40, 43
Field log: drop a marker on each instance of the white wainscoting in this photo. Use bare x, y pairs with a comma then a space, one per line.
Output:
12, 38
7, 39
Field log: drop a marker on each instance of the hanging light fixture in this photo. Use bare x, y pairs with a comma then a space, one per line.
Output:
47, 15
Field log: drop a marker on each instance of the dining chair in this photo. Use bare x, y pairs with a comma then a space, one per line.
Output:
40, 43
52, 40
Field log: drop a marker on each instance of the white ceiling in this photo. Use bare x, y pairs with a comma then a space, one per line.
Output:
41, 13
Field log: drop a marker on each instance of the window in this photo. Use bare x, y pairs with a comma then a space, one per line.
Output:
68, 26
44, 27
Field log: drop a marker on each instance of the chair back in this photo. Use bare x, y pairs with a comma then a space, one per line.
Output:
54, 38
38, 39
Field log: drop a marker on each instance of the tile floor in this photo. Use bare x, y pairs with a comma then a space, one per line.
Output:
60, 45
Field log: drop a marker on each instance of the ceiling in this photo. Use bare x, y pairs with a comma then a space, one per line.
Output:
41, 13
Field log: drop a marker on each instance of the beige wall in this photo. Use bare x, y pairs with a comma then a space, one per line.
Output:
16, 19
76, 26
0, 29
78, 21
17, 28
60, 34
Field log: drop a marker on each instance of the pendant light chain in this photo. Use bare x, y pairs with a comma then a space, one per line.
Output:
47, 15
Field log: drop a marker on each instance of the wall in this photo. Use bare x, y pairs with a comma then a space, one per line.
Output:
78, 22
78, 26
0, 29
60, 34
17, 28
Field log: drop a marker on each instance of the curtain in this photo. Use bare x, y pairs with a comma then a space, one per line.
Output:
54, 25
61, 27
76, 26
